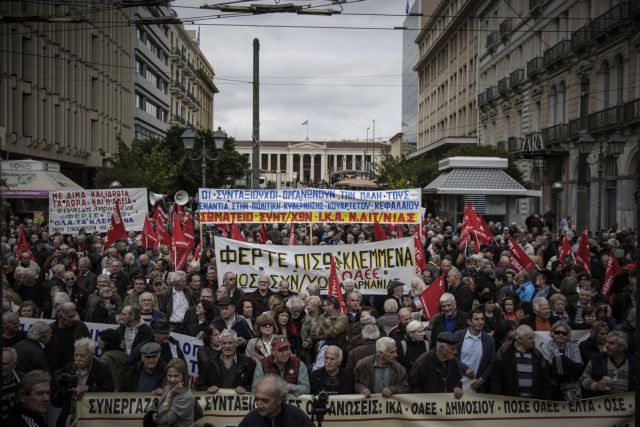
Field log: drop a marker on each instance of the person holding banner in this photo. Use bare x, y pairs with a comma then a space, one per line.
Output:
438, 371
283, 363
381, 373
175, 408
146, 375
613, 371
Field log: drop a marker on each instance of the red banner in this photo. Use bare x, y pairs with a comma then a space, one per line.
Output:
613, 271
180, 246
565, 250
236, 234
23, 244
148, 237
334, 285
518, 258
421, 259
378, 232
430, 298
292, 235
263, 236
583, 256
117, 230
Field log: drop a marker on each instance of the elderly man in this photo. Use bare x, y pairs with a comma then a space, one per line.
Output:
11, 333
86, 278
230, 282
271, 408
437, 371
161, 335
65, 331
540, 320
147, 313
132, 329
176, 300
262, 294
229, 319
525, 288
284, 290
119, 278
228, 370
146, 375
381, 373
585, 297
330, 378
613, 371
32, 401
353, 300
449, 319
284, 364
31, 354
477, 350
460, 290
91, 376
139, 287
10, 380
520, 370
102, 281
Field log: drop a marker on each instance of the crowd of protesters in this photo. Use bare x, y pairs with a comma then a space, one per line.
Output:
481, 341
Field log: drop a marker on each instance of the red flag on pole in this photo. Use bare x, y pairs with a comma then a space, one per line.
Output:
148, 237
421, 260
334, 285
236, 234
466, 227
198, 252
225, 230
23, 244
430, 298
188, 230
263, 236
180, 245
583, 256
613, 271
483, 233
162, 233
565, 250
117, 230
292, 235
378, 232
518, 258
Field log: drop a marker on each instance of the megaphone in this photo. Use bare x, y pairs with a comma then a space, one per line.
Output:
155, 198
181, 198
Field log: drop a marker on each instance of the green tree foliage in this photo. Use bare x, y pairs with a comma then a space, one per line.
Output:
164, 166
395, 172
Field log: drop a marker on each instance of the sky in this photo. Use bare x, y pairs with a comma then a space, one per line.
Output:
340, 80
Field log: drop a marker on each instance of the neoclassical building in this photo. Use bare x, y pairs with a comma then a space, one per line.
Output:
314, 161
554, 75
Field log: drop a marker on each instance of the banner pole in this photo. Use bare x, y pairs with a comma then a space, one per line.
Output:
202, 249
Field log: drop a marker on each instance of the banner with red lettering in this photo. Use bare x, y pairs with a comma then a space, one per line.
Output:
518, 258
117, 230
613, 271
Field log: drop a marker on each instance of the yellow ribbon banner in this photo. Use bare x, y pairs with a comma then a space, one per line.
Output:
227, 408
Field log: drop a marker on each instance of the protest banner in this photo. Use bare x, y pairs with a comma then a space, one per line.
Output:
90, 210
309, 205
371, 265
228, 408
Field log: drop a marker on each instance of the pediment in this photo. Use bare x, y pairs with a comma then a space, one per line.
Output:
583, 67
307, 146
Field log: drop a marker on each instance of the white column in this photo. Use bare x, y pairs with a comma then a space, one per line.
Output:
323, 167
312, 172
344, 162
301, 176
269, 162
362, 163
335, 162
278, 162
290, 166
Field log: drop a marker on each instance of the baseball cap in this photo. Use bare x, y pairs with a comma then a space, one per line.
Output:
280, 342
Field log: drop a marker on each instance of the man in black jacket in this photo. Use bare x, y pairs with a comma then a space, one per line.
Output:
450, 319
132, 329
32, 401
146, 375
330, 378
230, 369
437, 371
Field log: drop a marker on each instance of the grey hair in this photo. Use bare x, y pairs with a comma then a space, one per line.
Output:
175, 277
279, 383
390, 306
37, 330
447, 297
9, 315
536, 302
13, 353
370, 332
30, 379
523, 275
313, 289
58, 268
561, 324
335, 348
86, 342
294, 300
619, 336
383, 344
522, 330
61, 298
229, 333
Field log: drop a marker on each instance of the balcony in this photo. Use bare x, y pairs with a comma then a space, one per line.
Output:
558, 52
535, 66
505, 28
609, 118
503, 86
482, 99
174, 54
581, 38
514, 144
609, 20
492, 39
556, 134
178, 120
577, 126
492, 93
177, 88
516, 77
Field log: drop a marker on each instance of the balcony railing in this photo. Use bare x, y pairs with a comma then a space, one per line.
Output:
516, 77
610, 19
535, 66
557, 52
581, 37
503, 86
176, 118
492, 93
533, 142
492, 39
606, 119
514, 144
505, 27
557, 133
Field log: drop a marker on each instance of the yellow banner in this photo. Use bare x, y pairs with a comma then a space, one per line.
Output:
308, 216
227, 408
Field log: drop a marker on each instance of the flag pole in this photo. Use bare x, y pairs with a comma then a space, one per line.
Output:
201, 237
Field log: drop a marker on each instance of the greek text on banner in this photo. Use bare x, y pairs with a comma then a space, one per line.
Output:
309, 205
227, 408
371, 265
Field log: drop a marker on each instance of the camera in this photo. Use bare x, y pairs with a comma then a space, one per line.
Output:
63, 387
319, 407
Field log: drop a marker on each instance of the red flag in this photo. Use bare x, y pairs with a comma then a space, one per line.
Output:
225, 230
378, 232
466, 227
334, 285
162, 233
116, 230
583, 257
399, 230
613, 271
292, 235
518, 258
236, 234
180, 245
430, 298
23, 244
178, 211
421, 260
565, 250
263, 236
483, 233
148, 237
198, 252
188, 230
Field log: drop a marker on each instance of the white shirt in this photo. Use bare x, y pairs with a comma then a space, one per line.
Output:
180, 306
471, 351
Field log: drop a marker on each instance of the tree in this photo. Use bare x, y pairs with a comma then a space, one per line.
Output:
163, 165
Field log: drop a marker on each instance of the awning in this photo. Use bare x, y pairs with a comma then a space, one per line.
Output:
478, 181
32, 179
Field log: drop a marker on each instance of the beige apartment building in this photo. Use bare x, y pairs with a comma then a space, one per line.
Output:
553, 75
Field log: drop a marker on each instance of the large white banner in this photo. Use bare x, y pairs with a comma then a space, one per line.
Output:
309, 205
371, 265
71, 211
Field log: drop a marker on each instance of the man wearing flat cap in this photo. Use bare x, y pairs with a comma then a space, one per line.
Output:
147, 374
228, 319
284, 364
170, 348
437, 371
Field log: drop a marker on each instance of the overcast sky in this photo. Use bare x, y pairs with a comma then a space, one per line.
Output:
338, 79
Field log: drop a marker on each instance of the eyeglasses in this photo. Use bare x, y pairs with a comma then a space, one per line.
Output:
268, 325
561, 333
69, 279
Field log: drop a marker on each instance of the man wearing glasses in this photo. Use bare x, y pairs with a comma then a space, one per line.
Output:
78, 295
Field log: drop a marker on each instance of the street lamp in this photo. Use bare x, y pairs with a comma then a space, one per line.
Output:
557, 188
188, 140
614, 147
